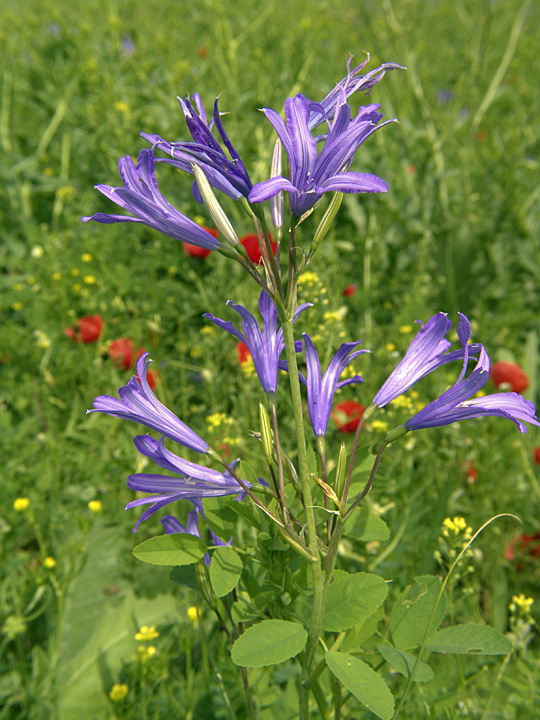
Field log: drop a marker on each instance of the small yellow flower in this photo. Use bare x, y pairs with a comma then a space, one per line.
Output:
521, 602
18, 287
122, 107
379, 425
193, 613
146, 633
49, 562
146, 652
95, 506
207, 330
90, 279
118, 692
86, 257
49, 172
405, 329
75, 272
77, 287
390, 347
31, 280
57, 276
173, 270
37, 251
21, 504
216, 419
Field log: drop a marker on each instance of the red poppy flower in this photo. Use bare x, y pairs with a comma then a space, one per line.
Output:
536, 455
121, 352
195, 250
350, 290
347, 415
510, 374
243, 352
470, 472
251, 245
523, 545
89, 330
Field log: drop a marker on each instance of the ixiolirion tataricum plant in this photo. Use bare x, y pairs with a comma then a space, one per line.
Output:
304, 507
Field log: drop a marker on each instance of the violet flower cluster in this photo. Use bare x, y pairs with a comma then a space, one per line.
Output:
189, 480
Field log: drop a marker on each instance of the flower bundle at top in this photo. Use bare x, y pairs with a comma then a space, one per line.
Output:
321, 140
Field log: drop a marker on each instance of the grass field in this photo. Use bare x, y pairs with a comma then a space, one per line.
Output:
459, 230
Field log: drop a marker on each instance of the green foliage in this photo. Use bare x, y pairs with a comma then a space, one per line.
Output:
363, 682
458, 230
268, 643
225, 570
173, 549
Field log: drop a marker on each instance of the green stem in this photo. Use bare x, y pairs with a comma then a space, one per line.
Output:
315, 628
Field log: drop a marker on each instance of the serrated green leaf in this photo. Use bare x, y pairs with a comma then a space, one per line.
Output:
225, 570
469, 638
412, 611
175, 549
363, 682
404, 663
368, 527
268, 643
351, 599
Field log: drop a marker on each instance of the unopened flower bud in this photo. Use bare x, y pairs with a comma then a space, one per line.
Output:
211, 202
341, 471
266, 433
326, 221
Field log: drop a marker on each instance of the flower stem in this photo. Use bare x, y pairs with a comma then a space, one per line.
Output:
315, 628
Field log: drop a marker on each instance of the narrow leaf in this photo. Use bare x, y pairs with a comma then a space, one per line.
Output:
363, 682
173, 549
225, 570
268, 643
470, 638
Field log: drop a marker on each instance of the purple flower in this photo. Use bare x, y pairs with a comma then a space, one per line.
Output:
191, 481
265, 346
225, 172
138, 403
321, 391
455, 404
172, 525
140, 195
312, 172
426, 353
353, 82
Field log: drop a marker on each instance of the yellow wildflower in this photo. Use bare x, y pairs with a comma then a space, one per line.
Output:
21, 504
95, 506
146, 633
118, 692
49, 562
86, 257
193, 613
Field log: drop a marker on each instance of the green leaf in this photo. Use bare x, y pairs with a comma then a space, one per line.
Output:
404, 663
368, 527
470, 638
268, 643
351, 599
225, 570
365, 684
185, 575
411, 613
175, 549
